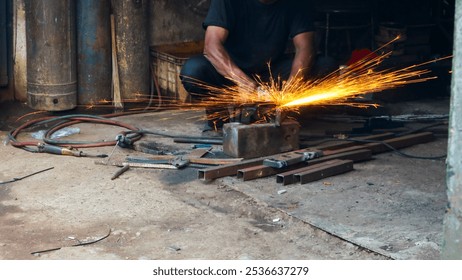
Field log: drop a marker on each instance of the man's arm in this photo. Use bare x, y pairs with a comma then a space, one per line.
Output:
216, 53
304, 54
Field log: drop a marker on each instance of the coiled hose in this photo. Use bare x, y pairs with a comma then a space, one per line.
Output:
125, 138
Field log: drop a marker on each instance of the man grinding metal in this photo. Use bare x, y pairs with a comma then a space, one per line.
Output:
242, 37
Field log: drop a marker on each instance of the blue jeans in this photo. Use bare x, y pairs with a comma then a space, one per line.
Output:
198, 68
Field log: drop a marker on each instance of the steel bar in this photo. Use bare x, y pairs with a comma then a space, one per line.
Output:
149, 165
376, 148
299, 157
262, 171
401, 142
342, 144
344, 150
232, 169
200, 140
287, 178
215, 161
324, 171
355, 156
353, 152
227, 170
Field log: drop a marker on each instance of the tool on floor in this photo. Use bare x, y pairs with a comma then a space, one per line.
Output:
51, 149
281, 163
112, 151
23, 177
121, 171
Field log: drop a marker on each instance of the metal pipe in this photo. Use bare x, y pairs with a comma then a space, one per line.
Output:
132, 48
51, 55
3, 44
94, 51
198, 140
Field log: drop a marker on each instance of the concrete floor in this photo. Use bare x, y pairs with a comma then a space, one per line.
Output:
170, 214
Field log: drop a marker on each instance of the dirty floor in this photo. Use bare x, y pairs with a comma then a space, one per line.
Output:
170, 214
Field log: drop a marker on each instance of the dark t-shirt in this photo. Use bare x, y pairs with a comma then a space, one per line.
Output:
258, 33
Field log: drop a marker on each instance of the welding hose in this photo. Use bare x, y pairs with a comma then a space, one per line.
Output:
129, 137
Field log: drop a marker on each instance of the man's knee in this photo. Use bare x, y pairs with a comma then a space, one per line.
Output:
195, 71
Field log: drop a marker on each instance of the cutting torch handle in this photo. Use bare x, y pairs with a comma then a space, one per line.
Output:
46, 148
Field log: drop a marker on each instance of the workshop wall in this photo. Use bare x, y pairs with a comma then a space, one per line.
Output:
176, 21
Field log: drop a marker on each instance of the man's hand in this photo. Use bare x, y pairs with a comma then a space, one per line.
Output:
215, 52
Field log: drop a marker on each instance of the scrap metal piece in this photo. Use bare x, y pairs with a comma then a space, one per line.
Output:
258, 140
23, 177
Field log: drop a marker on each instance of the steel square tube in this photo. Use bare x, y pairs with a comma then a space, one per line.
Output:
324, 171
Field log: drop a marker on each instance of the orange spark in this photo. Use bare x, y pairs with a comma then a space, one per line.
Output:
337, 88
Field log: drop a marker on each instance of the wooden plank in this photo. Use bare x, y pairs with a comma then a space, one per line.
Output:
117, 98
324, 171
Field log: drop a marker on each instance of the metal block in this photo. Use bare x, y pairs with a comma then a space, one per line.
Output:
257, 140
